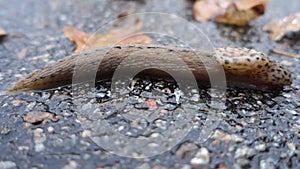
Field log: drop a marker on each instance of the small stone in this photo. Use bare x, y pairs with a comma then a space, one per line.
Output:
244, 152
291, 146
86, 133
23, 148
39, 139
50, 129
185, 150
201, 157
143, 166
267, 164
185, 166
30, 105
71, 165
219, 134
86, 156
162, 124
5, 130
286, 63
7, 164
260, 147
17, 102
159, 167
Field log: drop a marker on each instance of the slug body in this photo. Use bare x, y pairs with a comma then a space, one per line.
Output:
243, 67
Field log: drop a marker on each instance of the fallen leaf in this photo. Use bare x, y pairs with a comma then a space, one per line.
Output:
78, 37
35, 117
280, 27
240, 13
229, 11
208, 9
85, 41
2, 32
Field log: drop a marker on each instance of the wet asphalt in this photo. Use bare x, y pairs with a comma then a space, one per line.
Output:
256, 129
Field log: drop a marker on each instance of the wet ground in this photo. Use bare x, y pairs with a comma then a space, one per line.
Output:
258, 129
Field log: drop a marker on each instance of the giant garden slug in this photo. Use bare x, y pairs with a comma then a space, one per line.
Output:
243, 67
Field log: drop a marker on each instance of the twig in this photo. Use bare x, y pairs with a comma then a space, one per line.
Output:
285, 53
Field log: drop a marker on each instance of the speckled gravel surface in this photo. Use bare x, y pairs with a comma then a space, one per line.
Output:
258, 129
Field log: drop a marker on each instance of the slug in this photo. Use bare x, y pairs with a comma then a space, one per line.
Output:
243, 67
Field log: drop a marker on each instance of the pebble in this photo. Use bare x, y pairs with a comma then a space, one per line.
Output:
260, 147
7, 164
71, 165
201, 157
185, 149
162, 124
5, 130
218, 134
39, 139
143, 166
291, 146
159, 167
286, 63
244, 152
267, 164
30, 106
50, 129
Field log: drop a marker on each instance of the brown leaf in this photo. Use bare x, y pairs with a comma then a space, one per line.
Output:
240, 13
280, 27
207, 9
35, 117
248, 4
85, 41
229, 11
3, 32
78, 37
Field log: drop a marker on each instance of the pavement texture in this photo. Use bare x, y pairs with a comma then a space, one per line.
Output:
257, 129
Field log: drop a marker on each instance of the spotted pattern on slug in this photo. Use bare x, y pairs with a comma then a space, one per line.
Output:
244, 61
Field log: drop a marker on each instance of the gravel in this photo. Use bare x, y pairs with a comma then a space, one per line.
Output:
258, 129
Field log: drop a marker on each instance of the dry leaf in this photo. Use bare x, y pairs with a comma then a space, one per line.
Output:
280, 27
35, 117
208, 9
85, 41
2, 32
240, 13
78, 37
229, 11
